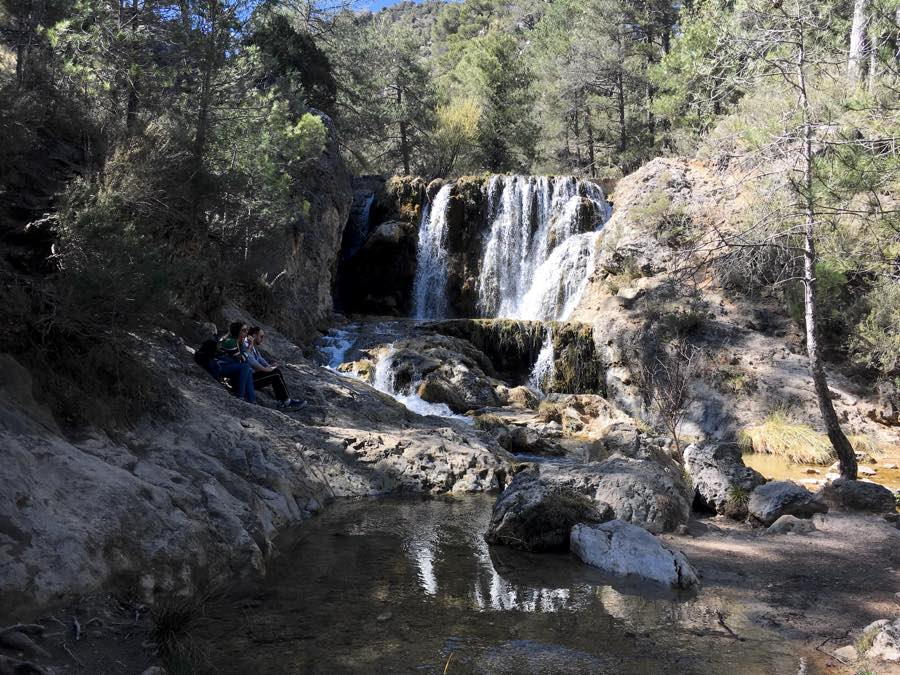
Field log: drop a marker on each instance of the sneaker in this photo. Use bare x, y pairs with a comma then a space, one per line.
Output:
294, 403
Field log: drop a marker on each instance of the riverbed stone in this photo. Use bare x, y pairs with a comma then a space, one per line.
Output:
771, 501
624, 549
857, 495
719, 477
536, 515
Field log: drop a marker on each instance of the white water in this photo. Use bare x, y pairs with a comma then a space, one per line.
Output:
430, 285
544, 366
335, 345
535, 263
385, 381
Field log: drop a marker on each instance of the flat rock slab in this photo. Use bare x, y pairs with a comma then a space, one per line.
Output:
624, 549
771, 501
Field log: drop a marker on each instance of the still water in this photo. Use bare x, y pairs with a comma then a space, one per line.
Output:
409, 586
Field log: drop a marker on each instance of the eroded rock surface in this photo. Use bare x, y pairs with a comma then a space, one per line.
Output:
721, 481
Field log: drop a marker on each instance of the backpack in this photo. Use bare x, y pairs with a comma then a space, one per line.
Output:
206, 353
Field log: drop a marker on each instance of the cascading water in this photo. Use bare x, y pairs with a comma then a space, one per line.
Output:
544, 366
384, 381
537, 257
430, 284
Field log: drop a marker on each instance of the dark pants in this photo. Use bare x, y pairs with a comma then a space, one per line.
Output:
276, 379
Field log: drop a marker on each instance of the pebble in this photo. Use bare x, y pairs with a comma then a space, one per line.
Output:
384, 616
812, 472
866, 471
890, 466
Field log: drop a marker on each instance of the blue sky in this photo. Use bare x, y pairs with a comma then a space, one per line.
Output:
375, 5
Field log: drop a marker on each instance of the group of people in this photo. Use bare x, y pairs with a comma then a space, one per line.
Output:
238, 358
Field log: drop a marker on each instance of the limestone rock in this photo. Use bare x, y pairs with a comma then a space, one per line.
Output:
847, 654
534, 515
771, 501
791, 525
720, 478
627, 550
886, 641
857, 495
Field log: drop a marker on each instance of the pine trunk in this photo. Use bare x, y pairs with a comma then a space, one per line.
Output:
839, 441
856, 58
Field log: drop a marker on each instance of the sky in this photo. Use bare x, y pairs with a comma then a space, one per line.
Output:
375, 5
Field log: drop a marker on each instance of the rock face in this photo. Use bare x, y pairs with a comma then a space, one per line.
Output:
300, 266
886, 640
720, 478
627, 550
208, 489
857, 495
533, 515
771, 501
378, 277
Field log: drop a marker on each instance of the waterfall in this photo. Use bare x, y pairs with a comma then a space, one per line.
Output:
536, 259
543, 369
385, 381
430, 284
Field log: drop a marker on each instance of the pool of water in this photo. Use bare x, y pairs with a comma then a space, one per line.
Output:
812, 476
409, 586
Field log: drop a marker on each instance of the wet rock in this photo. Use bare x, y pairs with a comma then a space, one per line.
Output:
771, 501
534, 515
720, 479
623, 549
857, 495
791, 525
885, 640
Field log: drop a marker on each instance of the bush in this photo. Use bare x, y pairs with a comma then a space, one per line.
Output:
671, 224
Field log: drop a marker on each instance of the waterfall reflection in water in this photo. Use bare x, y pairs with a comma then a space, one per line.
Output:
397, 585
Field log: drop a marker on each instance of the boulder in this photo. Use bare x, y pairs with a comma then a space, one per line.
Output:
524, 397
771, 501
791, 525
623, 549
720, 479
857, 495
885, 640
534, 515
646, 492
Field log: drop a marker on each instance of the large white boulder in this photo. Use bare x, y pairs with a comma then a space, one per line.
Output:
624, 549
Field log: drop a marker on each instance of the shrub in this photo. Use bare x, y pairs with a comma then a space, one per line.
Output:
671, 224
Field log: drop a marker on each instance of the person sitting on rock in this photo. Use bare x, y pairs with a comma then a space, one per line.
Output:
231, 362
264, 373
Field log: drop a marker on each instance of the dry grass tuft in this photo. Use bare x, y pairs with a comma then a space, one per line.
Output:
798, 443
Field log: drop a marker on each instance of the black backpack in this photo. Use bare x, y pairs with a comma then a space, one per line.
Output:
206, 353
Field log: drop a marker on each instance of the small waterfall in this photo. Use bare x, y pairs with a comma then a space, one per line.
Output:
531, 268
385, 381
543, 369
430, 284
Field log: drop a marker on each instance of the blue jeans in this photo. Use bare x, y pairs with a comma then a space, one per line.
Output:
241, 375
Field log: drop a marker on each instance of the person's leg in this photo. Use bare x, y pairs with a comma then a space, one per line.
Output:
245, 383
275, 379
